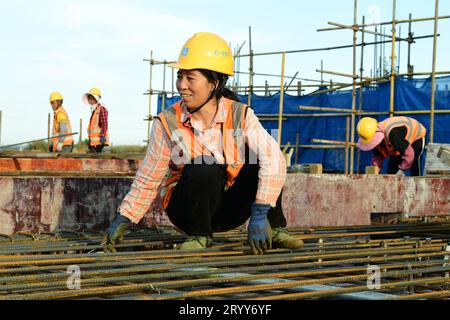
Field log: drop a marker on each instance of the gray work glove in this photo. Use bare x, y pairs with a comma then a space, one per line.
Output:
115, 233
400, 172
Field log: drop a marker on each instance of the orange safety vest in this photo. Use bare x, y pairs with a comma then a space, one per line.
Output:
94, 129
68, 140
414, 131
185, 140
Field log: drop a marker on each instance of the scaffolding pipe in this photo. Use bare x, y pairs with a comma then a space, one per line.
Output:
280, 114
388, 22
352, 125
361, 91
150, 98
433, 75
391, 100
250, 78
357, 29
320, 49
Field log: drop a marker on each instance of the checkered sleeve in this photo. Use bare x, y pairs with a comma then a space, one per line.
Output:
149, 176
103, 121
272, 172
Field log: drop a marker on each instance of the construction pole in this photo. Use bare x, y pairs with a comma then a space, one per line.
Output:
81, 131
410, 41
150, 97
347, 133
375, 55
163, 101
391, 100
250, 79
321, 72
352, 137
280, 114
361, 74
433, 73
48, 131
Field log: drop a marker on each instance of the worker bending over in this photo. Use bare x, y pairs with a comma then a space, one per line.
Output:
401, 139
61, 126
218, 165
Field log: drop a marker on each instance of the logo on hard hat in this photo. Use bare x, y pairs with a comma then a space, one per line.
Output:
185, 52
221, 53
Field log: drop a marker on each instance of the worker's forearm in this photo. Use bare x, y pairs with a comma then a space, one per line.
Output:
407, 159
272, 164
149, 176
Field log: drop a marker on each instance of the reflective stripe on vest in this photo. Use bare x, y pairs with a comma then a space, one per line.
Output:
171, 121
414, 131
68, 140
94, 129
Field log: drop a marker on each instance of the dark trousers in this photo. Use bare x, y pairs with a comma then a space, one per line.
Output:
394, 161
96, 149
199, 205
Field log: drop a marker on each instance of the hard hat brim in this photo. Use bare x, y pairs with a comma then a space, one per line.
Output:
365, 145
86, 95
177, 65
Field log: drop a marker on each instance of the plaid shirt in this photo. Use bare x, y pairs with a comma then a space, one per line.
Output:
102, 119
154, 169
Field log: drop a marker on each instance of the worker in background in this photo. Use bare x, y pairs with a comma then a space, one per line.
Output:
61, 126
401, 139
207, 186
98, 124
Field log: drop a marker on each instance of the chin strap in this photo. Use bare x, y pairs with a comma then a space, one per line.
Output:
211, 96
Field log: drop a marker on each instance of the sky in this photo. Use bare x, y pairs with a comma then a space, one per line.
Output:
70, 46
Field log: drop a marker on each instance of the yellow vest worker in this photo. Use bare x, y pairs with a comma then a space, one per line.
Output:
61, 126
98, 124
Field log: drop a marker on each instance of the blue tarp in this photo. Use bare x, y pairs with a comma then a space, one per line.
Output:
409, 95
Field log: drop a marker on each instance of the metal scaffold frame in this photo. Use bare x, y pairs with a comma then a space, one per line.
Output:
358, 81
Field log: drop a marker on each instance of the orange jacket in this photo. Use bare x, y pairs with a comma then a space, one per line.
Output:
190, 148
60, 116
415, 131
94, 130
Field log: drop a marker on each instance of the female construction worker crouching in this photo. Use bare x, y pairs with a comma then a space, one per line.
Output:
219, 166
401, 139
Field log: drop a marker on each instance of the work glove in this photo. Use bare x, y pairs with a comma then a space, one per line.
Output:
400, 172
259, 230
115, 233
102, 140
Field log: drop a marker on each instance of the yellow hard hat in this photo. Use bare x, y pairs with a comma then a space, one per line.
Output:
206, 50
56, 96
366, 129
95, 92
